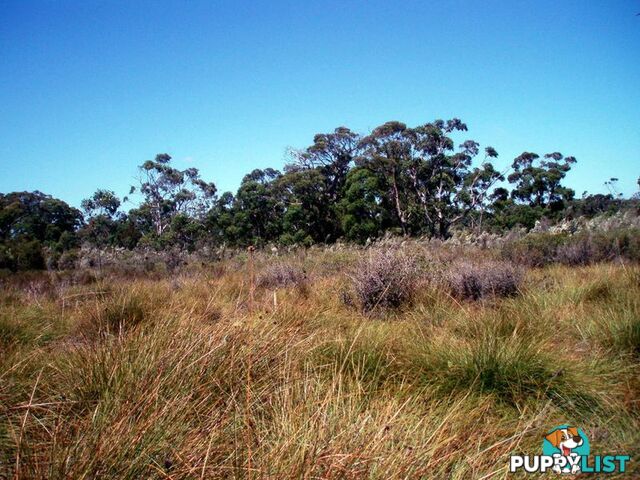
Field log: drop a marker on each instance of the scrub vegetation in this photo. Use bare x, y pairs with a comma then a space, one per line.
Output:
390, 305
405, 359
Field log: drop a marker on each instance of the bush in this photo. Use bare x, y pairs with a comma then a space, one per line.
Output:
540, 249
280, 274
22, 255
580, 252
620, 242
533, 250
384, 280
473, 281
68, 260
6, 259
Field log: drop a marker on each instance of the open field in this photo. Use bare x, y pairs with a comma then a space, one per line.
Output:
185, 376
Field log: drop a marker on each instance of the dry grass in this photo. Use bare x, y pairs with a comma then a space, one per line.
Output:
178, 378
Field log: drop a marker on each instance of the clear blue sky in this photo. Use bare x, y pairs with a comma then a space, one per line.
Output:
90, 89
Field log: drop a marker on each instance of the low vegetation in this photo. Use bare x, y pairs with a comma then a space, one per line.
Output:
446, 361
472, 280
390, 305
384, 280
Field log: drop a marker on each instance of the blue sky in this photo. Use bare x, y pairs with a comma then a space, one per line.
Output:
90, 89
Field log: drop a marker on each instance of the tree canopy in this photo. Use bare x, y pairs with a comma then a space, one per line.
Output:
424, 180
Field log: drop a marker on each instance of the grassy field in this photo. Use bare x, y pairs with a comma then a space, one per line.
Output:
188, 376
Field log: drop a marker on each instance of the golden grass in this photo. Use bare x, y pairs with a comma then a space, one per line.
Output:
177, 378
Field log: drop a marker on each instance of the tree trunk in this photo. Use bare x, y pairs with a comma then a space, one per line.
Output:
401, 216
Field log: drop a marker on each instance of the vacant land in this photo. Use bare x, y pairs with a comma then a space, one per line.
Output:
335, 365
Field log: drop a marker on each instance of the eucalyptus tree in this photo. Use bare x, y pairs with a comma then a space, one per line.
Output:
31, 221
431, 185
537, 182
100, 212
332, 156
447, 186
257, 209
307, 212
169, 192
365, 211
387, 153
101, 203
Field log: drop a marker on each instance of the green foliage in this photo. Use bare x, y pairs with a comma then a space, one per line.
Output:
506, 215
429, 185
397, 179
103, 202
257, 212
31, 222
28, 255
362, 209
169, 192
537, 182
534, 250
36, 216
591, 205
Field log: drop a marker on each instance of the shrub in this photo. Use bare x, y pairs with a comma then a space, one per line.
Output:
385, 279
620, 242
539, 249
84, 277
473, 281
68, 260
29, 256
533, 250
280, 274
580, 252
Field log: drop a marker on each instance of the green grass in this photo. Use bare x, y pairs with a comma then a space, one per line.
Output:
179, 378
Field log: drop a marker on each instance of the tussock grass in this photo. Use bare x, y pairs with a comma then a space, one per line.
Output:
179, 378
513, 371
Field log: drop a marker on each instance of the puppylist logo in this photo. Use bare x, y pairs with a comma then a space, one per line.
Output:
565, 450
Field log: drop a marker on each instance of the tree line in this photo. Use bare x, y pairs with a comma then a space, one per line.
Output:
423, 180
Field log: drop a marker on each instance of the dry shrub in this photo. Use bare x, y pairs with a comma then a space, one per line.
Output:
534, 249
281, 274
216, 270
473, 281
584, 248
68, 260
84, 277
385, 279
580, 252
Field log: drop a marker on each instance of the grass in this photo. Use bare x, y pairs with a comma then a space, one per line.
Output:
180, 378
